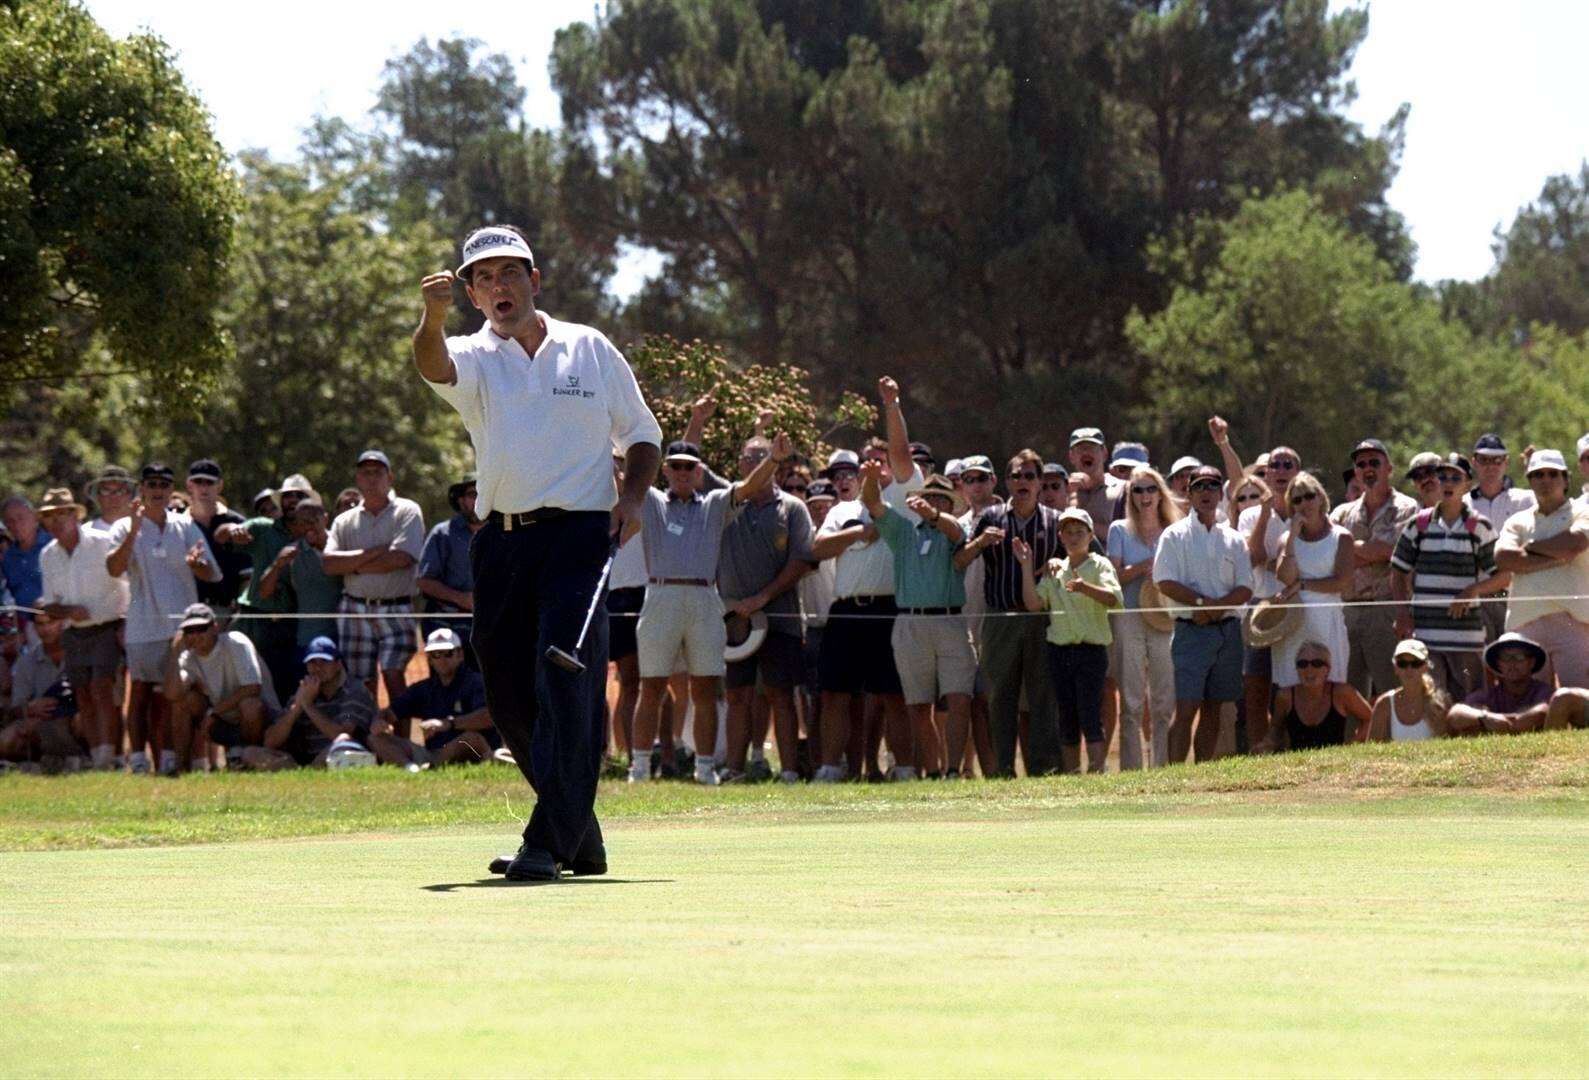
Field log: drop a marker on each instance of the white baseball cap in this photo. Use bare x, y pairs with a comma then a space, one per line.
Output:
1546, 459
492, 242
1583, 445
1187, 462
443, 640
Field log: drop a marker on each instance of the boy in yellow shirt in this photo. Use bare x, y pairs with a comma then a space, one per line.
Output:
1078, 590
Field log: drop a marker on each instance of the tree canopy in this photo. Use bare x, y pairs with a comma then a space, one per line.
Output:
116, 207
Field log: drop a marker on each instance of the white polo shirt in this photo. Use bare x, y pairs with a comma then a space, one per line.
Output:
867, 569
1210, 562
545, 429
160, 580
79, 578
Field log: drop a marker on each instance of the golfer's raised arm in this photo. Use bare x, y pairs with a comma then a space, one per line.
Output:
430, 340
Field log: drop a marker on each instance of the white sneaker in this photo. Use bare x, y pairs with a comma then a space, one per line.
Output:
788, 776
705, 774
902, 772
828, 774
639, 774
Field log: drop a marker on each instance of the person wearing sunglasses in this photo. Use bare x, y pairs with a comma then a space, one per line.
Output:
1496, 498
1416, 710
978, 485
1203, 565
1423, 472
1319, 710
1146, 671
1013, 645
1054, 491
1315, 566
1544, 550
161, 555
1093, 488
1375, 520
1520, 698
1443, 564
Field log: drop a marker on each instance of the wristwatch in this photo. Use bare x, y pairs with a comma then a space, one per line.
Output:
1198, 602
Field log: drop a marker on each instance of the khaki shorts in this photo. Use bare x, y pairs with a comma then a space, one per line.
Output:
934, 656
687, 617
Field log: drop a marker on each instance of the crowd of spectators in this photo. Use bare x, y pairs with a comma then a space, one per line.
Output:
879, 616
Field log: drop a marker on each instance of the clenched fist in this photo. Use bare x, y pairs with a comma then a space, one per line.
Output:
437, 291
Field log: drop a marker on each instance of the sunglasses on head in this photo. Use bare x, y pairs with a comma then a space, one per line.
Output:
1408, 662
1306, 496
1027, 475
1144, 489
1301, 663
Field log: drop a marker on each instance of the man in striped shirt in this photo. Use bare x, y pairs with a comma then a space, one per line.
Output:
1443, 561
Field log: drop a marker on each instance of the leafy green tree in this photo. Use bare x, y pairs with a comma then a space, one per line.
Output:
116, 206
460, 155
1542, 262
1298, 333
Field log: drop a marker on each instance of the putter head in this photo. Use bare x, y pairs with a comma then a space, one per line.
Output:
566, 661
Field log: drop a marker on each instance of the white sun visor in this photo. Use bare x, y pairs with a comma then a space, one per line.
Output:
490, 243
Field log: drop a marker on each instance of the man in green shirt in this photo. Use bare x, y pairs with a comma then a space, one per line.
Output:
932, 642
262, 539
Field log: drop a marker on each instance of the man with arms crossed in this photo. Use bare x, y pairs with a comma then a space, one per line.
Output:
546, 404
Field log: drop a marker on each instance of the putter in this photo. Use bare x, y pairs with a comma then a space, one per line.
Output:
570, 661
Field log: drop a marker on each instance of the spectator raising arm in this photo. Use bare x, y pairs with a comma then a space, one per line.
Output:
899, 459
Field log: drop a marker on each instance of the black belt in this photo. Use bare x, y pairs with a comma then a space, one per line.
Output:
393, 602
678, 581
523, 518
929, 611
1216, 622
862, 601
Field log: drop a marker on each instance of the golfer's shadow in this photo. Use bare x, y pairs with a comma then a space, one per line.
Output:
495, 882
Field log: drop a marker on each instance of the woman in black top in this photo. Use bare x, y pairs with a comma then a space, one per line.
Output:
1318, 712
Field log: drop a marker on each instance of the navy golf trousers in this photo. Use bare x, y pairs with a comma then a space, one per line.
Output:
532, 587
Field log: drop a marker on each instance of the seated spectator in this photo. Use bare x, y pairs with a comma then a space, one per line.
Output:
1544, 549
450, 707
218, 689
1519, 701
1417, 709
1569, 708
444, 576
1322, 709
329, 708
1079, 589
79, 588
932, 647
1444, 561
38, 725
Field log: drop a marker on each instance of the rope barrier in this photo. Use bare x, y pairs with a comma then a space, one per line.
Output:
1166, 609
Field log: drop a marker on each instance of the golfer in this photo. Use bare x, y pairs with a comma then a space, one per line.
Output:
547, 405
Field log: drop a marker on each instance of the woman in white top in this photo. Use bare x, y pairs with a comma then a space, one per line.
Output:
1417, 709
1144, 653
1314, 568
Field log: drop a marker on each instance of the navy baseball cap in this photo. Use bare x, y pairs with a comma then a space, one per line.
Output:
321, 648
1370, 445
204, 467
682, 450
1489, 443
920, 450
158, 470
374, 455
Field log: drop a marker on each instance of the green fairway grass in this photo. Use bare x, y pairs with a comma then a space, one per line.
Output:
1364, 911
